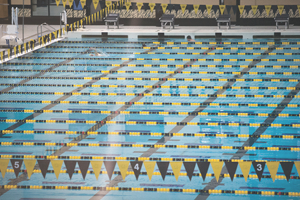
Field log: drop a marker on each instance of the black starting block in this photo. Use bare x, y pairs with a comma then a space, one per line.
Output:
224, 19
112, 18
165, 19
284, 18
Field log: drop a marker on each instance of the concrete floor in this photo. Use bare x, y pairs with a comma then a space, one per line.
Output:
247, 32
30, 32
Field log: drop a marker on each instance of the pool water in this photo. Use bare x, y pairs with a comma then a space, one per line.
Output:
160, 118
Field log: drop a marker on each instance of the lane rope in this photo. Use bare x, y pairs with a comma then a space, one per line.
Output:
116, 158
273, 105
144, 122
155, 94
199, 134
150, 86
159, 66
180, 53
185, 48
171, 43
117, 145
148, 189
165, 59
153, 72
240, 114
157, 79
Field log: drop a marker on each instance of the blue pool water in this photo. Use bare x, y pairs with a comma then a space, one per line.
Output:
130, 99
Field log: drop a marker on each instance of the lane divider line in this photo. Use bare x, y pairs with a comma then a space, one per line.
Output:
158, 79
161, 65
274, 105
139, 189
164, 59
200, 134
116, 158
235, 124
155, 94
184, 48
180, 53
155, 72
172, 43
163, 146
240, 114
151, 86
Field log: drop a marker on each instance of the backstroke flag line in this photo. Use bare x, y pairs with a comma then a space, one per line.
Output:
136, 166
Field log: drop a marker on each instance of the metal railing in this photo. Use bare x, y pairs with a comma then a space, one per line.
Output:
41, 26
53, 34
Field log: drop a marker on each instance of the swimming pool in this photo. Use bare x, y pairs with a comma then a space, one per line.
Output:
160, 117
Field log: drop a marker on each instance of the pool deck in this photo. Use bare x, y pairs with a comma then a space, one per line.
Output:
133, 32
247, 32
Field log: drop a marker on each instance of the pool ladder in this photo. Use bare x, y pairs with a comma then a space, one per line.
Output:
46, 26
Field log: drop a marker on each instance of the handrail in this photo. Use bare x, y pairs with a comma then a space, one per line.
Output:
42, 25
31, 45
49, 26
